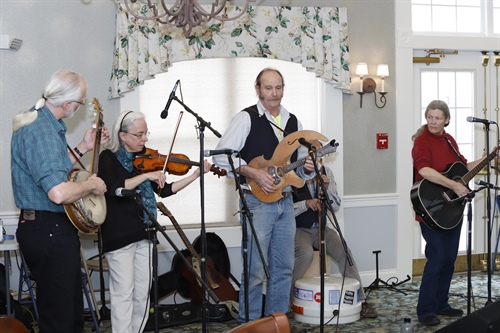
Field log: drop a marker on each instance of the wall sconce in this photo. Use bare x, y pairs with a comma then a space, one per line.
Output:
368, 85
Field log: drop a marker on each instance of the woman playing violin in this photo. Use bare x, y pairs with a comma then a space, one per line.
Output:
127, 243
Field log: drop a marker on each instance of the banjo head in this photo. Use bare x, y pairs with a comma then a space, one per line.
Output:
91, 208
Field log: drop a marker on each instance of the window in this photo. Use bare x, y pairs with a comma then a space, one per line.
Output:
456, 16
496, 16
216, 89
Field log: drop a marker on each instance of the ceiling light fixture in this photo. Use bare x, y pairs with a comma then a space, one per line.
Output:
185, 14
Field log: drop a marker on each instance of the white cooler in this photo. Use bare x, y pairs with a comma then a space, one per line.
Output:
307, 298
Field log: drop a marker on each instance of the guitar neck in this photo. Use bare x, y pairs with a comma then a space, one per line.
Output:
178, 228
331, 147
474, 171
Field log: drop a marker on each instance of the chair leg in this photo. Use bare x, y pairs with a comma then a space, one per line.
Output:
25, 279
89, 281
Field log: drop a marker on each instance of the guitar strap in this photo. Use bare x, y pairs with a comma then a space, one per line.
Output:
76, 157
454, 150
270, 122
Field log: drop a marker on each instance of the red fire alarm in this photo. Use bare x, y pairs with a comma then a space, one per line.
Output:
382, 140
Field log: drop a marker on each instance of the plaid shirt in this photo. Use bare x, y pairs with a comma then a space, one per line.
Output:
39, 161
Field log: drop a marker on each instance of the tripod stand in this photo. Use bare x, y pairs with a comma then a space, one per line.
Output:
378, 280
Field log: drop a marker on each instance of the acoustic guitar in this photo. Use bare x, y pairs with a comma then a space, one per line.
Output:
275, 323
279, 166
438, 206
217, 282
12, 325
88, 213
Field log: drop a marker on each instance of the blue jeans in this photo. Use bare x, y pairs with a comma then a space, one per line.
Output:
441, 252
274, 225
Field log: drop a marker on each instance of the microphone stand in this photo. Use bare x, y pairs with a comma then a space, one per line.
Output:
159, 228
104, 311
202, 124
488, 215
246, 216
322, 192
469, 197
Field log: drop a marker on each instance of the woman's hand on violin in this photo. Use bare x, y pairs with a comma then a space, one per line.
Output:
158, 177
206, 168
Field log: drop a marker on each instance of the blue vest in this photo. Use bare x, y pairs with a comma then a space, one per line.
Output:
261, 140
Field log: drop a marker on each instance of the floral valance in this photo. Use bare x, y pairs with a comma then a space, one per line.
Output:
316, 37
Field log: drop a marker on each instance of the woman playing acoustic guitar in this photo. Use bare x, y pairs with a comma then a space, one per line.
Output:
434, 150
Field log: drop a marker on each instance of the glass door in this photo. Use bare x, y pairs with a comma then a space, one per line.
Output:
466, 82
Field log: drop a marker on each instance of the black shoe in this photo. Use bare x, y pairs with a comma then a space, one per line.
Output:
429, 320
451, 312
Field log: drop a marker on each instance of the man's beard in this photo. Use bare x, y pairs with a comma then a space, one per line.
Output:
70, 114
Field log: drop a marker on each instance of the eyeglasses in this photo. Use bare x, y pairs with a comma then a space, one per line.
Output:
138, 135
81, 103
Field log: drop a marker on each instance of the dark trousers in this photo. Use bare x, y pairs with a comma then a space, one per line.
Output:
51, 248
441, 252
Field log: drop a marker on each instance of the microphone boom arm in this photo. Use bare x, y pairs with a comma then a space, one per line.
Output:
200, 119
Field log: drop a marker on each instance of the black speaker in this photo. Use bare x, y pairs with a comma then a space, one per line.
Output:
484, 320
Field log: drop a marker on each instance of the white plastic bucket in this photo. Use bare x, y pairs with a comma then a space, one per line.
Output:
344, 298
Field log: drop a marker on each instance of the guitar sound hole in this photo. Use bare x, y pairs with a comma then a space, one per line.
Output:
274, 172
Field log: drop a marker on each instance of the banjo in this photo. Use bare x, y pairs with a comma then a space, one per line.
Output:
89, 212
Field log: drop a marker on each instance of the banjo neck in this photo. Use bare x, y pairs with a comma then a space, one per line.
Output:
98, 125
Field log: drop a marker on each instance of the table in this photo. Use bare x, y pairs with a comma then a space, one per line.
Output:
6, 247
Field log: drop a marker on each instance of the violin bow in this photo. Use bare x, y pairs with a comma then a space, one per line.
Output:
173, 140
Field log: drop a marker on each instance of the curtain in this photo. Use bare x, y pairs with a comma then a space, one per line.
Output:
316, 37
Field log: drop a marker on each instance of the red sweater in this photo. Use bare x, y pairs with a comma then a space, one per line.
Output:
433, 151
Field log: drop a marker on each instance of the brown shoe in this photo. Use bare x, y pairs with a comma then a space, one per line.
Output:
367, 311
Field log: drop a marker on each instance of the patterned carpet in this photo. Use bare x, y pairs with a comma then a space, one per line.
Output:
392, 306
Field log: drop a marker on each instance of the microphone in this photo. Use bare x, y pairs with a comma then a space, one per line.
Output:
164, 113
208, 153
123, 192
471, 119
307, 144
488, 185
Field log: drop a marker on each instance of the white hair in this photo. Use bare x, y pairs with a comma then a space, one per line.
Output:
63, 86
122, 124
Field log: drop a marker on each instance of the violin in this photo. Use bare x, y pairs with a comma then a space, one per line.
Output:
177, 164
